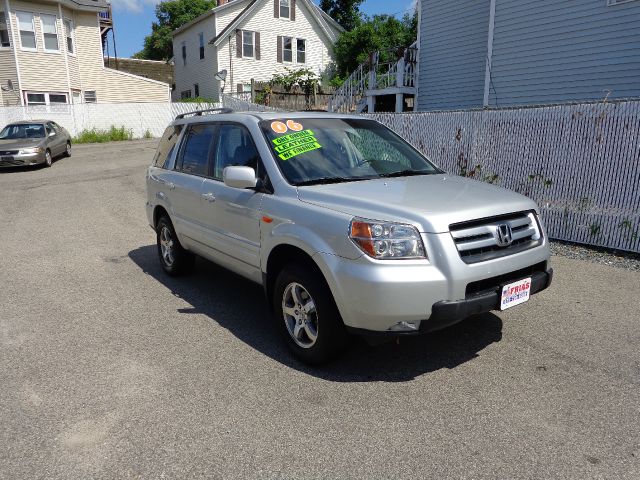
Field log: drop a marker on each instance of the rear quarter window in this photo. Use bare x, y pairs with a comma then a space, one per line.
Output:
167, 145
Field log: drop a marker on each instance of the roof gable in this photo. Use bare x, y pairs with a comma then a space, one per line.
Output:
316, 13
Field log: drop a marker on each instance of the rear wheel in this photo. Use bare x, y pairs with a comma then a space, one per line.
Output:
175, 260
48, 159
307, 315
67, 152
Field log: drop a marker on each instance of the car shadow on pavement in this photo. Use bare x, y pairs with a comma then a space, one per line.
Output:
239, 306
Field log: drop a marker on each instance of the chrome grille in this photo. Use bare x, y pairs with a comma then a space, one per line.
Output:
485, 239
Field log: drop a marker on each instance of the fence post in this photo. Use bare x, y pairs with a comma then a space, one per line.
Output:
253, 90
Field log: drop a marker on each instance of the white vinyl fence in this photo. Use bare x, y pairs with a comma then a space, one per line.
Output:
140, 118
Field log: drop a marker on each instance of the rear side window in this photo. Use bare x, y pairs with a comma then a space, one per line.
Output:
196, 150
167, 145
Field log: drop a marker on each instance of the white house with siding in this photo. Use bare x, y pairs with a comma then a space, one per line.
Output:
250, 39
51, 53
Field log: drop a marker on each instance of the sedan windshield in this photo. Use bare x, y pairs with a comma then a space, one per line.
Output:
331, 150
29, 130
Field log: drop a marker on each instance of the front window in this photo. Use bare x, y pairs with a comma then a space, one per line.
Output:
287, 49
4, 31
330, 150
284, 9
27, 30
247, 44
49, 32
22, 130
68, 31
301, 50
234, 147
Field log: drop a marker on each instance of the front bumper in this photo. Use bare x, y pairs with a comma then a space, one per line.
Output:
21, 160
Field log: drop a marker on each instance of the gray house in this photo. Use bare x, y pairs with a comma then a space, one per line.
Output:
499, 53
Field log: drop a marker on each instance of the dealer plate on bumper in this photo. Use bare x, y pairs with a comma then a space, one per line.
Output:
515, 293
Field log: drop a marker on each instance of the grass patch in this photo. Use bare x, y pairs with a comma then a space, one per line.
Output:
94, 135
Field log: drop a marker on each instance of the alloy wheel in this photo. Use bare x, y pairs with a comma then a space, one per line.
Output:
166, 246
300, 315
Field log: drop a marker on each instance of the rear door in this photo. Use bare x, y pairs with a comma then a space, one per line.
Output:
185, 181
55, 140
232, 215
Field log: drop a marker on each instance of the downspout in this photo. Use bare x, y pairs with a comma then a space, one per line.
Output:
230, 67
416, 75
15, 51
65, 53
487, 70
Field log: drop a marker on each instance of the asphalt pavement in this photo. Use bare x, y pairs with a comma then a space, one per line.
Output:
110, 369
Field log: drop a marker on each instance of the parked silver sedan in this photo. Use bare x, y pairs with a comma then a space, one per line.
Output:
33, 142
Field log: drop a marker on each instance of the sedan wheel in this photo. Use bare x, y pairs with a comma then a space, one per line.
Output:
48, 160
67, 152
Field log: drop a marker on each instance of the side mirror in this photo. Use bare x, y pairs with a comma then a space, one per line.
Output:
239, 177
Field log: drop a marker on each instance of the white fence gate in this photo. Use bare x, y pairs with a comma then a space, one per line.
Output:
140, 118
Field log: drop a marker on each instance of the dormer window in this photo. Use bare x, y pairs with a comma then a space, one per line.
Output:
285, 11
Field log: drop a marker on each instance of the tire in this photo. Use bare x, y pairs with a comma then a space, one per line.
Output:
174, 259
315, 334
67, 152
48, 159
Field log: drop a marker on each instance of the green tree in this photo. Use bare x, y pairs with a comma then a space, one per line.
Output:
171, 14
382, 33
345, 12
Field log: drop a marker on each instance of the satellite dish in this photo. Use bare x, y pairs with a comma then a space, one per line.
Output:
221, 75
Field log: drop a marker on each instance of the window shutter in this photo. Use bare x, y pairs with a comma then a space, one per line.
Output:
276, 8
279, 49
257, 45
293, 10
239, 88
239, 43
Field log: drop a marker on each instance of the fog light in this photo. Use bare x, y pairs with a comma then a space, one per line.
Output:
405, 327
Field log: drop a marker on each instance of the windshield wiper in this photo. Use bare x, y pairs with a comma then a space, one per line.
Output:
325, 180
407, 173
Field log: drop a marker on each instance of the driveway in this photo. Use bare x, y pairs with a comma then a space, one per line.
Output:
110, 369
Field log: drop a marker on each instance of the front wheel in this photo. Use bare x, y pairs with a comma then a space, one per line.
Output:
175, 260
48, 159
307, 315
67, 151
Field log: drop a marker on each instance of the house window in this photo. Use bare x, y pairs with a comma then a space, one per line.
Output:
184, 53
201, 40
49, 32
46, 98
185, 94
27, 30
284, 9
68, 31
301, 51
196, 90
287, 49
90, 96
4, 32
247, 43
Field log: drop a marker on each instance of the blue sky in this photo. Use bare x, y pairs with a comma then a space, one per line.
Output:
132, 19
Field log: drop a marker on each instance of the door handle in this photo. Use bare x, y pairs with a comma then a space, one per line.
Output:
169, 185
209, 197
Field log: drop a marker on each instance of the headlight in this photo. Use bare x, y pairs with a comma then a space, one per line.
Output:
32, 150
384, 240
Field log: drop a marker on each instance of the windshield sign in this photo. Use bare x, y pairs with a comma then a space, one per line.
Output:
15, 132
330, 150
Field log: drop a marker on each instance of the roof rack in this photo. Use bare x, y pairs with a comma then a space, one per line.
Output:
198, 113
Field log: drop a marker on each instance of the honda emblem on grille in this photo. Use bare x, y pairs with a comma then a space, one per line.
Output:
504, 235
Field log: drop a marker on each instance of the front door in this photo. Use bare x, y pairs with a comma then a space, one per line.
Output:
232, 215
56, 142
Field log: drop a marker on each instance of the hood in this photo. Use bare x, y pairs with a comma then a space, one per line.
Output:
20, 143
430, 202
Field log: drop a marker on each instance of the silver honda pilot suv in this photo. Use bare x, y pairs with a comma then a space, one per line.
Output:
348, 228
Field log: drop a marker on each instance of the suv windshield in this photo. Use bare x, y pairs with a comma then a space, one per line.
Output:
330, 150
30, 130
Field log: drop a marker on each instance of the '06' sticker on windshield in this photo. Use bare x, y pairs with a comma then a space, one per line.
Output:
293, 144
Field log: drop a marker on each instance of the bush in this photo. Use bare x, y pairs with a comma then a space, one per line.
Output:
197, 100
94, 135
